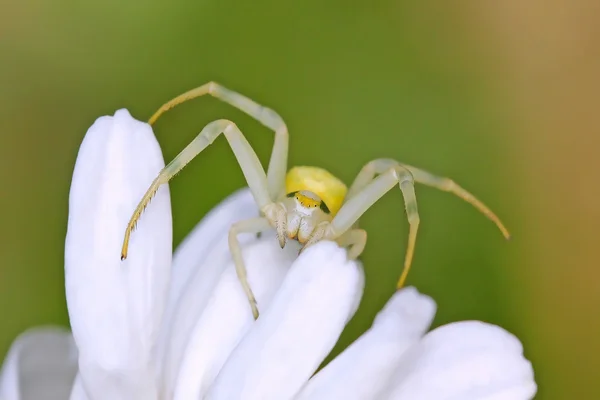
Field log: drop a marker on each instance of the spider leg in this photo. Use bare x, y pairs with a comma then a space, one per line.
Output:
379, 166
269, 118
254, 225
356, 239
364, 198
245, 155
317, 235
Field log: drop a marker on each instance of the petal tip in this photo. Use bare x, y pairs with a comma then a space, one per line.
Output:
123, 113
123, 116
327, 250
415, 310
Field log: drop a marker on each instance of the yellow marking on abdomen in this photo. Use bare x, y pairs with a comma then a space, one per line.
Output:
330, 189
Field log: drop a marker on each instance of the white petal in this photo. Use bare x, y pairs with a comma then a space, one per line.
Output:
115, 307
228, 315
364, 369
41, 364
78, 391
466, 360
292, 337
192, 251
197, 264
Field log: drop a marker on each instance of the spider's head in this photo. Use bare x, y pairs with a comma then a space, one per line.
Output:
305, 210
307, 204
314, 196
318, 187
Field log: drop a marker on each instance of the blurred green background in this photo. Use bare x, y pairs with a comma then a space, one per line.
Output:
496, 96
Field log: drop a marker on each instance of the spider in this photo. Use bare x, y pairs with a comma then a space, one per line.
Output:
307, 204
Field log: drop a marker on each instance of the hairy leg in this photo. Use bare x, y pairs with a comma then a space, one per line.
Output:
245, 155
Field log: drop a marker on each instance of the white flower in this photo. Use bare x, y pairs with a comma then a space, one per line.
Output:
146, 329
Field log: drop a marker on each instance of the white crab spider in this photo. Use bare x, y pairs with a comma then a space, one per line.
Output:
308, 204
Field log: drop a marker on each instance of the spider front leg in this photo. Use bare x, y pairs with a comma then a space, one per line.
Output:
361, 200
245, 155
266, 116
255, 177
375, 167
365, 179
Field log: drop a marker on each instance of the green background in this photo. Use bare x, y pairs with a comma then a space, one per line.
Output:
353, 81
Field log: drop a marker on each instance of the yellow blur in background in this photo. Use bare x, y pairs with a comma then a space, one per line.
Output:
500, 96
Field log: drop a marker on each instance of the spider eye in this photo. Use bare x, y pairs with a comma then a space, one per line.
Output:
291, 194
324, 208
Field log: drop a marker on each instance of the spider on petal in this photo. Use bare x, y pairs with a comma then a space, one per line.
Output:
307, 204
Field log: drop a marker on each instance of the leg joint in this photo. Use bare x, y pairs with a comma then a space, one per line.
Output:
403, 175
414, 219
212, 87
448, 185
272, 120
380, 165
232, 236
